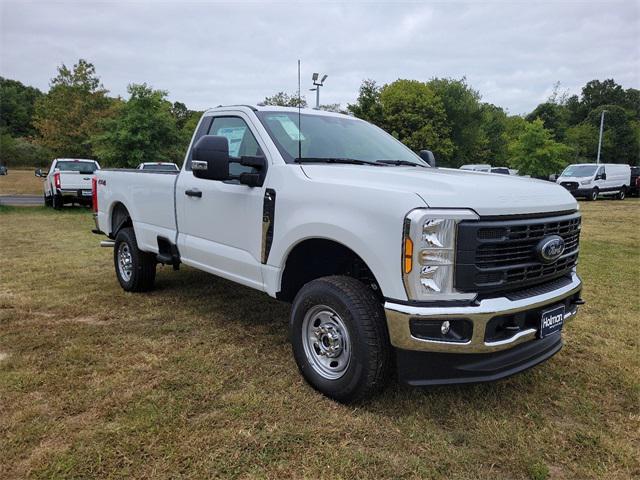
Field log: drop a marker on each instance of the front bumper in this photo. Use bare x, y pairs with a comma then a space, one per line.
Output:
424, 362
399, 320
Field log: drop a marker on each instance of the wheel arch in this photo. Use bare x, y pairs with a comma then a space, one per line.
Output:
317, 257
119, 217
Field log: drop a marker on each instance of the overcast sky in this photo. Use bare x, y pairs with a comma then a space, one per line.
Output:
206, 53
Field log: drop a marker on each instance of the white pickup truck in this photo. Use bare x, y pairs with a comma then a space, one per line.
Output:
68, 181
446, 275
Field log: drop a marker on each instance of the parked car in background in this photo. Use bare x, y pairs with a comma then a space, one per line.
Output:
446, 275
477, 168
4, 170
634, 188
68, 181
589, 180
158, 166
502, 170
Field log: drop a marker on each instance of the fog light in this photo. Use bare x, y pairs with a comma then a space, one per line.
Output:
444, 328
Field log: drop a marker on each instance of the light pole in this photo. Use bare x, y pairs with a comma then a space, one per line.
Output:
317, 84
600, 139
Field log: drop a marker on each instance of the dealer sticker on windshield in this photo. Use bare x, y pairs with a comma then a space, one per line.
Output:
551, 321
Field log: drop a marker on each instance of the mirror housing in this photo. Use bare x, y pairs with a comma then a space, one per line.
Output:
38, 172
603, 176
210, 158
427, 156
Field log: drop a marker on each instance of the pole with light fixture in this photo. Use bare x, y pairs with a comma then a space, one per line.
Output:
317, 85
600, 138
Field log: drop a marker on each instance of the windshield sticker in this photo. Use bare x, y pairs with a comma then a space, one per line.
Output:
289, 126
235, 136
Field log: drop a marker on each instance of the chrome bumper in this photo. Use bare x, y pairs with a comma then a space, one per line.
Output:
399, 316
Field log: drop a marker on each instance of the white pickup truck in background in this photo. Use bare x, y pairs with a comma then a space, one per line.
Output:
446, 275
68, 181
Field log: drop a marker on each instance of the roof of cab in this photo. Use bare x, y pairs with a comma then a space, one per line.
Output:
273, 108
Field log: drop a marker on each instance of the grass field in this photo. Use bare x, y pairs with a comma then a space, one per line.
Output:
196, 379
20, 182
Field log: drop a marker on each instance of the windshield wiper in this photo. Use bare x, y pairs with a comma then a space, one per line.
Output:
351, 161
401, 162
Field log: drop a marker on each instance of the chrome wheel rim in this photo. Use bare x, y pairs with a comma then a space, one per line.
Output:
326, 342
125, 262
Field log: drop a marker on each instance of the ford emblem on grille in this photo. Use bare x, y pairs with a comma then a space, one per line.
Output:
550, 248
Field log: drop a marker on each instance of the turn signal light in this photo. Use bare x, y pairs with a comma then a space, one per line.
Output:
408, 255
56, 179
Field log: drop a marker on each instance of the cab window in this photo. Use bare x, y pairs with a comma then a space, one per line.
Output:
242, 143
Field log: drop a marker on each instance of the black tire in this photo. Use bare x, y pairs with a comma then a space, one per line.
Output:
593, 195
47, 201
361, 313
142, 271
622, 194
56, 202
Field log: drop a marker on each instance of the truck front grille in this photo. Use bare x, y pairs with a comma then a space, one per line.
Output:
500, 255
571, 186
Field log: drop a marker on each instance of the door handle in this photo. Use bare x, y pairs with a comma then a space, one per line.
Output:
193, 193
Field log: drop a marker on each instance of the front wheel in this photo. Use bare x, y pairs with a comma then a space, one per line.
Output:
593, 195
339, 338
135, 269
47, 200
622, 194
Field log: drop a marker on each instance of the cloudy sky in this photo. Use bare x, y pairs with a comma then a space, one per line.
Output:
206, 53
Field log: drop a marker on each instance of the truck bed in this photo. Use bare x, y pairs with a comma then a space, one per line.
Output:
150, 192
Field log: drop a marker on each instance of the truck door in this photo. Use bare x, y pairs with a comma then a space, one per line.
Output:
220, 222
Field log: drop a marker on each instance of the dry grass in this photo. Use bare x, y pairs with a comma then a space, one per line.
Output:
196, 379
20, 182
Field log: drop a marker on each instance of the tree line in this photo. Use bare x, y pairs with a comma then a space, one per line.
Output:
78, 118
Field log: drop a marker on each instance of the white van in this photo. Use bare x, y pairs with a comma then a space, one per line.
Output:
477, 168
589, 180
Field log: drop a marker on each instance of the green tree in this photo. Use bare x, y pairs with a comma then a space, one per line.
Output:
144, 130
22, 152
413, 113
583, 141
536, 153
71, 111
282, 99
619, 138
554, 118
17, 103
368, 106
464, 119
495, 123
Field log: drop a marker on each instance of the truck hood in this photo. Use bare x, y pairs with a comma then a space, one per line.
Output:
485, 193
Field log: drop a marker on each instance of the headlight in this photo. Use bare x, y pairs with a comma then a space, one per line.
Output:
585, 182
429, 250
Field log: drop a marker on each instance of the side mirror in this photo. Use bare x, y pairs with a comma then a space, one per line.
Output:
38, 172
210, 158
603, 176
427, 156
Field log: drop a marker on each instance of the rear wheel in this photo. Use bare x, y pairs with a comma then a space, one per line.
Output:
56, 201
47, 200
593, 195
622, 194
135, 269
339, 338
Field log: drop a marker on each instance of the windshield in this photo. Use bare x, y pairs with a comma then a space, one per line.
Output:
161, 168
579, 171
74, 166
329, 137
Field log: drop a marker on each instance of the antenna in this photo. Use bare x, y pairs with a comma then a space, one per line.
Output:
299, 131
